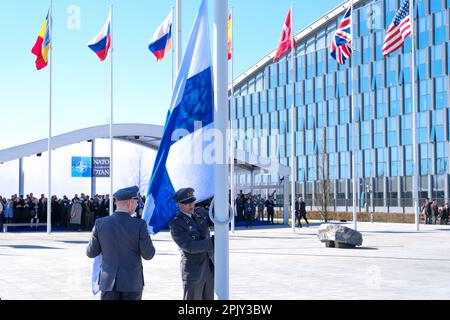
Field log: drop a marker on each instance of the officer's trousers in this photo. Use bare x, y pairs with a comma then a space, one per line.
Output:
202, 289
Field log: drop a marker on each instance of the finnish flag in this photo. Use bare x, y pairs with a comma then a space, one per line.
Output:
184, 157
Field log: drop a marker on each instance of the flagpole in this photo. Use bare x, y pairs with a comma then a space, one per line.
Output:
220, 67
355, 213
179, 34
49, 200
294, 127
173, 53
111, 138
415, 147
233, 116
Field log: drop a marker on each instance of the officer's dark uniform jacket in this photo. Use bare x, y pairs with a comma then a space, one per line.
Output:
193, 237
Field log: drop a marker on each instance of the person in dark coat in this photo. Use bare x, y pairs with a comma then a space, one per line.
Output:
190, 231
445, 214
123, 242
248, 210
302, 212
270, 205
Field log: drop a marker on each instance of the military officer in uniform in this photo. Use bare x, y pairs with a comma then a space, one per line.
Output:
190, 231
123, 241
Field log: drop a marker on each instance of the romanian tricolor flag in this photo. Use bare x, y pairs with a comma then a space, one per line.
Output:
161, 42
102, 42
42, 46
230, 36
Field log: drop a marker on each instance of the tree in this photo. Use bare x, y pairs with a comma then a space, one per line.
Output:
139, 174
323, 197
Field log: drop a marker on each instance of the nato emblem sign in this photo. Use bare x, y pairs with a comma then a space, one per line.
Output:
81, 167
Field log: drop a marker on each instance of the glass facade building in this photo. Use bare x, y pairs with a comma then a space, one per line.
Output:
382, 102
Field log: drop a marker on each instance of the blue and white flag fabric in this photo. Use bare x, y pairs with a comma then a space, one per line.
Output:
181, 161
96, 270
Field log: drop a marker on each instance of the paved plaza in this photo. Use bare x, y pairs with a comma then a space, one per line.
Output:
265, 264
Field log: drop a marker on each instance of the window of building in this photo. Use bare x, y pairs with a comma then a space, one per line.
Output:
332, 113
407, 98
423, 64
318, 89
344, 165
288, 96
368, 105
341, 83
366, 135
321, 114
381, 103
311, 116
330, 86
422, 127
301, 66
273, 80
409, 161
378, 128
272, 99
381, 163
394, 101
395, 162
440, 27
405, 68
425, 159
424, 31
367, 44
332, 166
300, 136
282, 121
274, 123
424, 95
379, 40
342, 137
310, 141
441, 92
311, 168
255, 104
441, 158
257, 125
391, 7
437, 60
392, 131
331, 139
309, 91
240, 107
282, 72
319, 141
310, 65
378, 74
365, 77
282, 145
436, 6
321, 61
368, 163
438, 133
299, 94
392, 71
259, 82
344, 110
281, 98
406, 130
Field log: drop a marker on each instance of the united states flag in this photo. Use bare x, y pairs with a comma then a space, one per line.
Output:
341, 49
398, 31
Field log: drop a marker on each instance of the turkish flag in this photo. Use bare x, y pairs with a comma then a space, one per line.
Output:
287, 40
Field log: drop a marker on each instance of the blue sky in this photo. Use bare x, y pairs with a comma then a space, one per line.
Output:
141, 86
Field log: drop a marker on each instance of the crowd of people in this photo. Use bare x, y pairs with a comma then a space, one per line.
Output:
432, 213
33, 210
254, 207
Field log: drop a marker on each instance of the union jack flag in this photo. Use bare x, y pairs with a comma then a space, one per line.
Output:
341, 46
